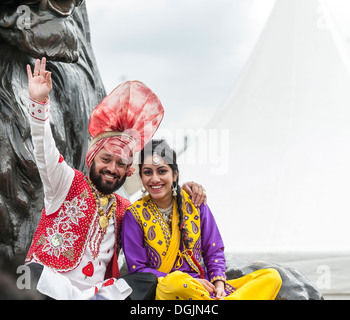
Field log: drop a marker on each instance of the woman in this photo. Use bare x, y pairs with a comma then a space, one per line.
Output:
164, 233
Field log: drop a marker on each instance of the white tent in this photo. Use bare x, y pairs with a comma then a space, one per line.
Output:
275, 161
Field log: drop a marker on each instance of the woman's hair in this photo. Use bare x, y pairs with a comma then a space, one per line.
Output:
163, 150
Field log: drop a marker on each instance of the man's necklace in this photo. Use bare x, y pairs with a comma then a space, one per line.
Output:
102, 200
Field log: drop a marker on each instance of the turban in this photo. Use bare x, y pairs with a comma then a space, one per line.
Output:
124, 121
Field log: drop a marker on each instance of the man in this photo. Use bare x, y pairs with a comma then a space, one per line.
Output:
77, 241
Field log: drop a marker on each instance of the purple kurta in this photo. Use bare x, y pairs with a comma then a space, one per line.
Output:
212, 248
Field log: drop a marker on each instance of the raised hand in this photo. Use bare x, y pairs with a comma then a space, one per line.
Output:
39, 83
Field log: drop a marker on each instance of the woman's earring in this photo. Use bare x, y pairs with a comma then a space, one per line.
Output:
143, 190
174, 189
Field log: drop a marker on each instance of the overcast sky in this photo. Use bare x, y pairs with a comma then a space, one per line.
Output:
189, 53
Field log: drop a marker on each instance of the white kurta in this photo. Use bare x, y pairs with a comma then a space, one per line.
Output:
57, 180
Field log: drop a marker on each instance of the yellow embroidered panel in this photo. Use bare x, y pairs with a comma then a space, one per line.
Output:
157, 235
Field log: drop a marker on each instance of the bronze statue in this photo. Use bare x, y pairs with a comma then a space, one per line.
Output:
58, 30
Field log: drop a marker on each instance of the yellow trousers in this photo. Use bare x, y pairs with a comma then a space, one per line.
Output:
259, 285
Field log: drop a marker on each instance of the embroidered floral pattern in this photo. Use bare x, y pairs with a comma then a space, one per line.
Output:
58, 242
59, 239
74, 209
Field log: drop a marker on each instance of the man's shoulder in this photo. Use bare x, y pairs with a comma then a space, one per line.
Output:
79, 179
78, 174
123, 201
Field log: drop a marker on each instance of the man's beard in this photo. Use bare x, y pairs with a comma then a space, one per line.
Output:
107, 187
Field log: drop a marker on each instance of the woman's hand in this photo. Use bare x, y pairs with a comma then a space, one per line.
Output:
39, 83
219, 289
207, 285
197, 192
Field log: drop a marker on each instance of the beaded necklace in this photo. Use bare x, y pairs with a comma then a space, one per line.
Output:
102, 201
167, 214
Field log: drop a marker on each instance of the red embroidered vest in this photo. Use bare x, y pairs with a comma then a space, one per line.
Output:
61, 238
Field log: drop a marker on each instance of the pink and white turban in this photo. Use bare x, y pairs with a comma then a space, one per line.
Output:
124, 121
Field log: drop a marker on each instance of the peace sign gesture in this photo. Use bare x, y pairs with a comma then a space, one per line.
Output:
39, 83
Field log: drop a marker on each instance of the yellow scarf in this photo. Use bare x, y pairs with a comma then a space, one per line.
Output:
162, 246
169, 259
